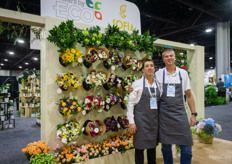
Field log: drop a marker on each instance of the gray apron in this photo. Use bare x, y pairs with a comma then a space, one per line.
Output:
174, 125
146, 121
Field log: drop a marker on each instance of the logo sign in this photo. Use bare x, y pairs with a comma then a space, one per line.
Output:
123, 14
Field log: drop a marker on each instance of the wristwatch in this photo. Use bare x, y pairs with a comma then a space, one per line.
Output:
195, 114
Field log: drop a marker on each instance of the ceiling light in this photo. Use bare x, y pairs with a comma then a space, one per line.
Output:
11, 52
20, 67
192, 44
6, 60
2, 64
208, 30
20, 41
35, 58
26, 63
211, 67
210, 58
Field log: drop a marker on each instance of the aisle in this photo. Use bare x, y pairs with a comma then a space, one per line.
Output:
13, 140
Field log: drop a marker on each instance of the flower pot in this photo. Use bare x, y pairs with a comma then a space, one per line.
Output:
124, 67
3, 118
106, 65
6, 126
6, 100
12, 117
86, 86
1, 112
25, 87
87, 64
8, 94
208, 140
123, 106
62, 62
106, 86
32, 105
10, 126
26, 104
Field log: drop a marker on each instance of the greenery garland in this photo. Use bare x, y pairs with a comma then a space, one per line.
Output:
66, 35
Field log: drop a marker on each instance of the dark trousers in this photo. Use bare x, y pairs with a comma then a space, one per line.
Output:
186, 154
151, 156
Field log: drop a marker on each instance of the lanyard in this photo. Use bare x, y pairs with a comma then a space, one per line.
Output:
151, 94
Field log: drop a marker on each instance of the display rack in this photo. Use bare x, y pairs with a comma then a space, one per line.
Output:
6, 113
29, 100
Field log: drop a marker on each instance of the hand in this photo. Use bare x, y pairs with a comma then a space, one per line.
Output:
193, 120
132, 128
130, 89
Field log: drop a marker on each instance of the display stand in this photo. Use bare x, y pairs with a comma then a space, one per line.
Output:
7, 121
50, 66
29, 99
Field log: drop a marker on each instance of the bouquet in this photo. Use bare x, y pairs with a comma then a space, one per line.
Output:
68, 106
123, 122
95, 79
99, 103
111, 124
206, 128
35, 148
68, 133
133, 63
125, 101
94, 128
90, 57
88, 105
65, 155
128, 80
68, 81
103, 53
113, 82
71, 56
92, 37
112, 99
114, 61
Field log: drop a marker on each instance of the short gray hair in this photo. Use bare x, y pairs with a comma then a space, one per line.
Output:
168, 50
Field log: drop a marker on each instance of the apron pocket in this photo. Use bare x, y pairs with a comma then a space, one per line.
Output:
175, 129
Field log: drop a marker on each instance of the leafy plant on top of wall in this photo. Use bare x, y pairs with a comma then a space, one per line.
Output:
66, 35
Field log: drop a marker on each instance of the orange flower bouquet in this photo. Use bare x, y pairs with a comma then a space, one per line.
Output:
35, 148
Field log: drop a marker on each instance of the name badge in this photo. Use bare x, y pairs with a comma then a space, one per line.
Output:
153, 103
171, 91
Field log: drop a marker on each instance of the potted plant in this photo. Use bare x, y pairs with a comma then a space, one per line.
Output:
38, 119
3, 117
1, 111
206, 129
5, 125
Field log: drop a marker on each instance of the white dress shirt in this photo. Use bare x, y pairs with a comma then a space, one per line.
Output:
135, 97
174, 78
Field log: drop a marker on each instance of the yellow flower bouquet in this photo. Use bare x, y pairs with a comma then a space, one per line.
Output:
71, 56
68, 81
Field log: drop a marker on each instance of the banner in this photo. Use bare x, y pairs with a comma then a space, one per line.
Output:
95, 12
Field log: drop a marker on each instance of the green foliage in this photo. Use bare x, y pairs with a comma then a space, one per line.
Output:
212, 97
66, 35
13, 30
220, 100
92, 37
42, 159
27, 73
211, 92
114, 38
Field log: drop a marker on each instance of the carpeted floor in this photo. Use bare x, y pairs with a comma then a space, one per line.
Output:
13, 140
26, 131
